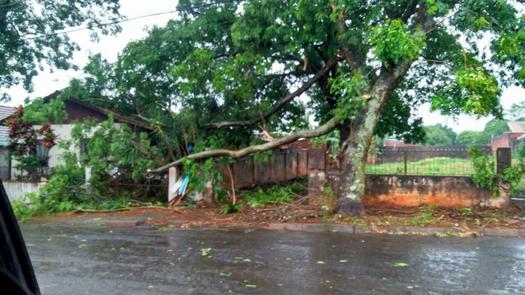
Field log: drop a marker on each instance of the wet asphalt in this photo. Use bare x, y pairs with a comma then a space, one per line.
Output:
103, 260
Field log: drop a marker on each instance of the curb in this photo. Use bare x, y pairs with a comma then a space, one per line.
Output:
399, 230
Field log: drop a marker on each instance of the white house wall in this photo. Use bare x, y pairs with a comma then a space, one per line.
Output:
56, 153
16, 190
63, 133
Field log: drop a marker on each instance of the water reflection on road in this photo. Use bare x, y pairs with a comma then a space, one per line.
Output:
101, 260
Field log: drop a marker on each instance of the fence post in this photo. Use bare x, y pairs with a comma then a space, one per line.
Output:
405, 156
172, 179
316, 172
503, 159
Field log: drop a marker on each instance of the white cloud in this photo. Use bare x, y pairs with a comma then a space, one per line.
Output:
510, 96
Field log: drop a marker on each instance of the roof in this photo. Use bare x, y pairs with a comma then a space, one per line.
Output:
517, 126
118, 117
6, 112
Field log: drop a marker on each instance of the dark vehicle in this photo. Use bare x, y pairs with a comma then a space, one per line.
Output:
16, 272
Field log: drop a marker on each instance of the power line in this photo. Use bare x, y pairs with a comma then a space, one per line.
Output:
66, 31
186, 8
10, 5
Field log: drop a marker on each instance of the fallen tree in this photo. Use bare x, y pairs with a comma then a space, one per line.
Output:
365, 67
235, 154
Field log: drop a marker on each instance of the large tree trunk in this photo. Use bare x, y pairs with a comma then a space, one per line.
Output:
350, 186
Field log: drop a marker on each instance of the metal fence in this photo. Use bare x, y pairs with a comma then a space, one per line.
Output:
437, 160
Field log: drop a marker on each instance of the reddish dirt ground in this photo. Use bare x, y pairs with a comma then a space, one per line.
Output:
309, 211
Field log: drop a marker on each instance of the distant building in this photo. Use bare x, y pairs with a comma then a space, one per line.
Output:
396, 143
511, 138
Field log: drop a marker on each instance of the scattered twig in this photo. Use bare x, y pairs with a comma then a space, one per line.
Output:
124, 209
232, 182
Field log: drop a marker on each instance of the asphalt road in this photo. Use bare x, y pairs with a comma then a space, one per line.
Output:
102, 260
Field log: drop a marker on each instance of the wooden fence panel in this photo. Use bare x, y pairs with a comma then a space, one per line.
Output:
279, 166
263, 172
243, 171
316, 159
284, 165
223, 170
291, 164
302, 163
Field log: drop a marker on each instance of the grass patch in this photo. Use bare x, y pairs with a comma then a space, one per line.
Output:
427, 217
423, 219
273, 194
32, 205
465, 211
431, 166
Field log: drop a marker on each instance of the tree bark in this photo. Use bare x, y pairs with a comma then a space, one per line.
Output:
350, 187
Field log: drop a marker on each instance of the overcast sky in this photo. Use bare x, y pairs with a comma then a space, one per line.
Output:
110, 46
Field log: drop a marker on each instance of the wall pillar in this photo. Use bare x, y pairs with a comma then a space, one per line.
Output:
87, 175
316, 171
172, 179
503, 159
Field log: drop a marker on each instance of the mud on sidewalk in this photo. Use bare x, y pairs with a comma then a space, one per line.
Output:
308, 215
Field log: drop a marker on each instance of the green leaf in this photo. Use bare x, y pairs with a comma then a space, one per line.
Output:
399, 264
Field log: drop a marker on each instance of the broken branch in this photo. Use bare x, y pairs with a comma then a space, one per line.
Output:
321, 130
280, 103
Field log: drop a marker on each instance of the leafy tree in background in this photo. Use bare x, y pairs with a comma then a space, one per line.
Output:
471, 138
28, 34
517, 112
439, 135
228, 70
493, 128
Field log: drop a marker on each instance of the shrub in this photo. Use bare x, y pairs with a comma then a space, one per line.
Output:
273, 194
486, 176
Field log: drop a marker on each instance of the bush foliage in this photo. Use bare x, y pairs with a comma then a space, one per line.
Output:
486, 176
114, 154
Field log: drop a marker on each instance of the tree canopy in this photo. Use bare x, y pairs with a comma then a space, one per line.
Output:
517, 111
439, 135
227, 71
492, 129
30, 34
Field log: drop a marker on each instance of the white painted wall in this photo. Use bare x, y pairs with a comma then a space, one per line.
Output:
16, 190
63, 133
56, 153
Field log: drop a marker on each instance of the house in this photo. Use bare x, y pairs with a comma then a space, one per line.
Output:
511, 138
5, 163
76, 111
